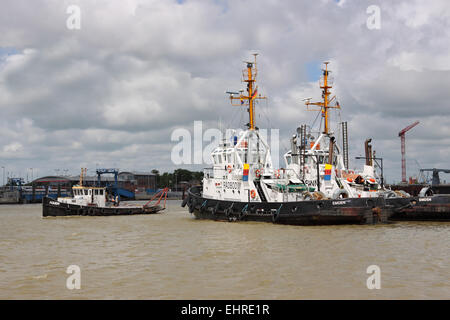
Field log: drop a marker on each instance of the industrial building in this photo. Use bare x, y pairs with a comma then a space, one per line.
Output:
135, 182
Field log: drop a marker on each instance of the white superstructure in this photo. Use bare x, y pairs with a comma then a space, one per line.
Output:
86, 196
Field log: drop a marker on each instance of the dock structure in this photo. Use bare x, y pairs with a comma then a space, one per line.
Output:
129, 184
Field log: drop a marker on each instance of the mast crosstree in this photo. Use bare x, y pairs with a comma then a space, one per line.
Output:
326, 84
248, 100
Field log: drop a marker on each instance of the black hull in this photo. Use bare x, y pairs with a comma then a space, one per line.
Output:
53, 208
316, 212
434, 208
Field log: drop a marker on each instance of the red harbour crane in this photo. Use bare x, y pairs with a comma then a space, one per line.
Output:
401, 134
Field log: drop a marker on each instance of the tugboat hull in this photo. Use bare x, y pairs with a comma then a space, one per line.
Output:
314, 212
51, 207
433, 208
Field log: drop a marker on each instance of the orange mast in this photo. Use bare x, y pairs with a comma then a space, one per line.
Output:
325, 85
83, 173
249, 100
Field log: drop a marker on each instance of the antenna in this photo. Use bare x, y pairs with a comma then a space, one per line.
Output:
248, 100
325, 84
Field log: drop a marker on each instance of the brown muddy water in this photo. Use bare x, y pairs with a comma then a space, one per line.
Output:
174, 256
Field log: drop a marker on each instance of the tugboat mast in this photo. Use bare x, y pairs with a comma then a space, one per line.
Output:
249, 100
83, 173
325, 85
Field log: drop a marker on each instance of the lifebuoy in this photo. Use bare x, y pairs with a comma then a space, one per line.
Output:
253, 194
258, 173
230, 168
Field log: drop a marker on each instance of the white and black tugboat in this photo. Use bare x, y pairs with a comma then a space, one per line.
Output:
243, 185
323, 164
98, 201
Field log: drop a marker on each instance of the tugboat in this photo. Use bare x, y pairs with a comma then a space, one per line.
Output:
97, 201
243, 185
322, 164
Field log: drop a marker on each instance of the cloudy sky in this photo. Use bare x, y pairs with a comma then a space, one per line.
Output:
112, 92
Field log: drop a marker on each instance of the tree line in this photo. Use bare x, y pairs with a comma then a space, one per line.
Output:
170, 180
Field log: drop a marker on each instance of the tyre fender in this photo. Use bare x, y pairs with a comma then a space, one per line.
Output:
185, 201
426, 192
340, 193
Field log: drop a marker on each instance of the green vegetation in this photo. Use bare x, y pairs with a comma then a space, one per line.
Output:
179, 175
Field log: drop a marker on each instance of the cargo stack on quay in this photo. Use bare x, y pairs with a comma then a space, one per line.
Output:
9, 196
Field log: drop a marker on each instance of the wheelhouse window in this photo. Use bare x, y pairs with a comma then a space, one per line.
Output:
230, 157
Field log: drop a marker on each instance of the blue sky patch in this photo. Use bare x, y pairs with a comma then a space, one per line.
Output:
313, 70
8, 51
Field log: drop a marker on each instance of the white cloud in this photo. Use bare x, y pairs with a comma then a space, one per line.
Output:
111, 92
419, 61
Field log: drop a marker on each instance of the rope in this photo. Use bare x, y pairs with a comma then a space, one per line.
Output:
278, 210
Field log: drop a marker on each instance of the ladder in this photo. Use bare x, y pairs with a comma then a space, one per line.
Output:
260, 191
345, 144
302, 149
